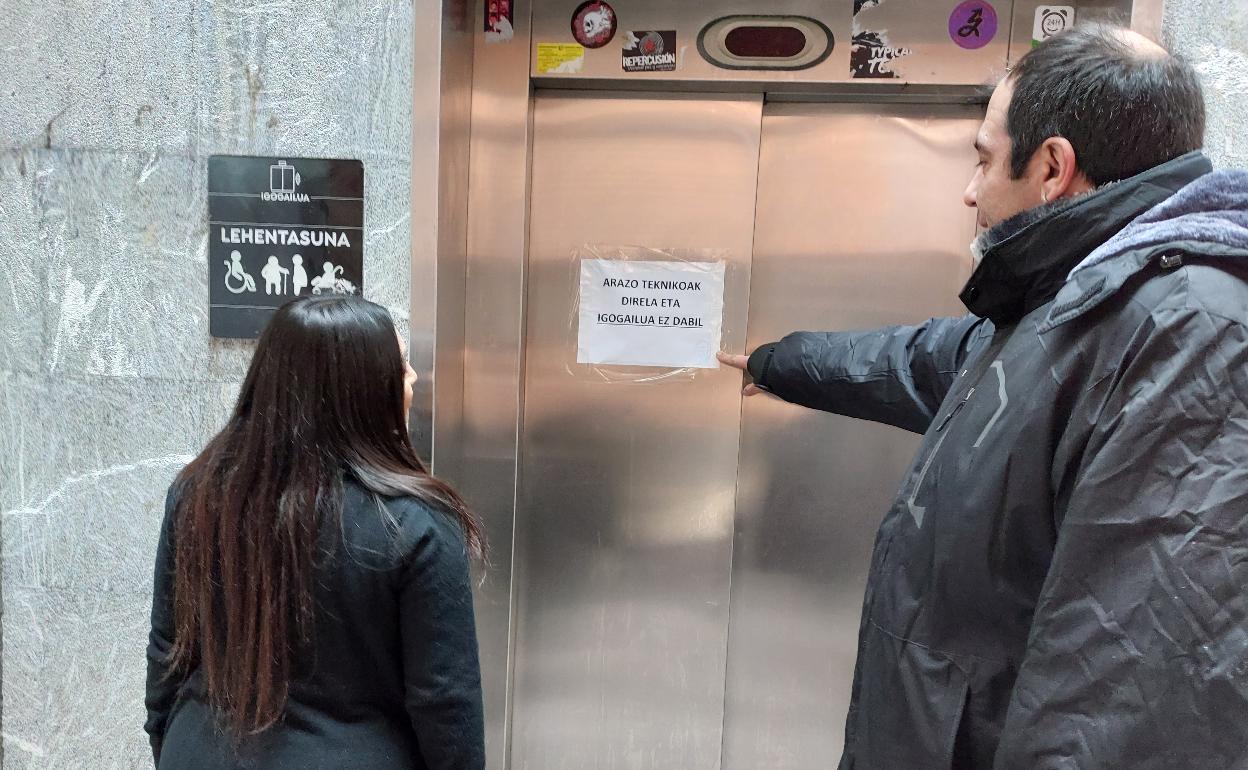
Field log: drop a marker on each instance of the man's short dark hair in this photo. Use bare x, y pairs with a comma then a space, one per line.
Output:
1123, 110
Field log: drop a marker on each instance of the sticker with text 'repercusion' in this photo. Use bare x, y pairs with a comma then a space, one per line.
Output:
560, 58
649, 51
973, 24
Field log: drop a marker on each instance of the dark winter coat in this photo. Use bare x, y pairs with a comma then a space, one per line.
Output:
393, 681
1062, 581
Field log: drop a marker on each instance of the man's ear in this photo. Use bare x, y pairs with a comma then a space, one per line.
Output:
1057, 170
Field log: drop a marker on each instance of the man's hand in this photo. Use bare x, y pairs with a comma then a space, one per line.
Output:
739, 362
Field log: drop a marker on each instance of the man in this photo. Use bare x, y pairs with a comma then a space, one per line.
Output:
1062, 581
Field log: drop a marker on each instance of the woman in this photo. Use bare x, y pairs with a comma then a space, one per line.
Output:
312, 603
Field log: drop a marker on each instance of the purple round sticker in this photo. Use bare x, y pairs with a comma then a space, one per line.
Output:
973, 24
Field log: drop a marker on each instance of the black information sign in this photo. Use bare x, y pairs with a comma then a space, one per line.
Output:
280, 228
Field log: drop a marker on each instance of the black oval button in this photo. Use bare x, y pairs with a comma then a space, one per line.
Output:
765, 42
770, 42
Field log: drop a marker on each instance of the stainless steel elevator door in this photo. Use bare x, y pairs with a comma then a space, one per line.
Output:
626, 491
860, 224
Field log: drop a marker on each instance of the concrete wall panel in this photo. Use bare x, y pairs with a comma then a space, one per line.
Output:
109, 381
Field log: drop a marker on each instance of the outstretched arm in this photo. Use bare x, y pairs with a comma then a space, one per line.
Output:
897, 375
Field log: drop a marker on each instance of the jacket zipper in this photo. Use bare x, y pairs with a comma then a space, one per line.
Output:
955, 410
919, 511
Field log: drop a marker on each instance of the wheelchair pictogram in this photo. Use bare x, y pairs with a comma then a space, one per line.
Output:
238, 280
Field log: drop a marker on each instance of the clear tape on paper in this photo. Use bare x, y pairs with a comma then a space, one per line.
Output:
644, 314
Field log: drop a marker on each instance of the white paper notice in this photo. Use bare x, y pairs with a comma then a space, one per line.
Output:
650, 313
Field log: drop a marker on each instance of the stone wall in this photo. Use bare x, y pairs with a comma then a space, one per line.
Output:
1213, 35
109, 381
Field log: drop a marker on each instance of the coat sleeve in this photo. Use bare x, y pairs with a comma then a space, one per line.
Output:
897, 375
1138, 653
162, 688
442, 674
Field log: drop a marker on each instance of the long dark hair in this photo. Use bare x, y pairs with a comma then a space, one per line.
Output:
323, 399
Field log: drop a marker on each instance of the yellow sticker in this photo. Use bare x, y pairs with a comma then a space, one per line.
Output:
560, 58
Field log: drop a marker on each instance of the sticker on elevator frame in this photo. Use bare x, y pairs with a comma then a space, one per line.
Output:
593, 24
973, 24
280, 228
560, 58
649, 51
1050, 20
871, 52
871, 55
500, 20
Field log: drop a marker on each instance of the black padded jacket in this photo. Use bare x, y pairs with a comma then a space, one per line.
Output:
1062, 581
392, 680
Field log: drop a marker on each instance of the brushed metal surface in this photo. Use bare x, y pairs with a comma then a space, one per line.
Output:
626, 489
426, 192
919, 25
860, 224
442, 101
498, 172
454, 123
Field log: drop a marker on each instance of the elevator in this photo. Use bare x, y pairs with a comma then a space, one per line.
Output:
677, 571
